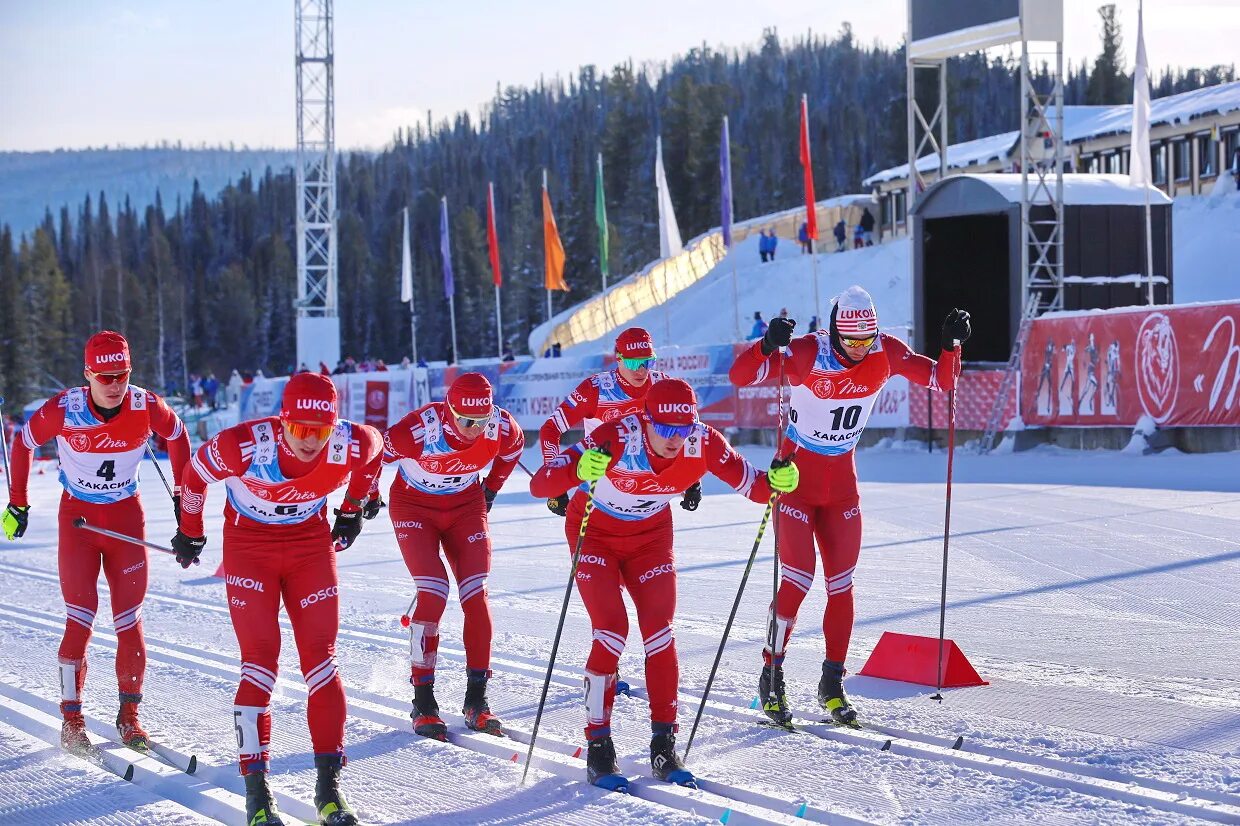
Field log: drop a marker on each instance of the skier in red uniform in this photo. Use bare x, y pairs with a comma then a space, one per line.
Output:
641, 462
437, 499
836, 376
101, 432
277, 546
607, 397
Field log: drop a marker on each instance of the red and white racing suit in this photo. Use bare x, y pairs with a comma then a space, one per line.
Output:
435, 500
277, 545
829, 406
603, 397
99, 460
628, 544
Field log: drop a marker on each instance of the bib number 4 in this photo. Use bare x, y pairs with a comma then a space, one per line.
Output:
107, 470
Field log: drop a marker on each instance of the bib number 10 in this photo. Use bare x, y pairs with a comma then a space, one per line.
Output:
845, 416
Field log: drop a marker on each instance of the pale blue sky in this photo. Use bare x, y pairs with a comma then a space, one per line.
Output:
77, 73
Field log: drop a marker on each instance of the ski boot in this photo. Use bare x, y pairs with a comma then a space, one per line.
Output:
73, 737
333, 809
771, 693
665, 762
127, 725
477, 712
601, 768
831, 695
426, 719
260, 805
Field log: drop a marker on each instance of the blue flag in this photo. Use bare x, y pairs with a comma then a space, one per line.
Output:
725, 178
445, 248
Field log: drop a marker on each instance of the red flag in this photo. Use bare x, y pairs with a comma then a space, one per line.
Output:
811, 214
493, 237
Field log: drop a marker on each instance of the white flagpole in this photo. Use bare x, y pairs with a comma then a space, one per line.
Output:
406, 285
1139, 154
499, 327
452, 312
544, 263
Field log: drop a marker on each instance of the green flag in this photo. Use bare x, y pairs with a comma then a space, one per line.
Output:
600, 216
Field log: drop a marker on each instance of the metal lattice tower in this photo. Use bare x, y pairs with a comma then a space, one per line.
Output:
1041, 171
318, 326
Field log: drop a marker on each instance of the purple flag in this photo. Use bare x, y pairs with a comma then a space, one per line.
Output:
725, 177
445, 248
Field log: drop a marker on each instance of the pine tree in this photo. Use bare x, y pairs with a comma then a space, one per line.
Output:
1107, 83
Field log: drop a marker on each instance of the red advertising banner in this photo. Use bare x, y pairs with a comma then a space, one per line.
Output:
377, 404
1178, 365
975, 398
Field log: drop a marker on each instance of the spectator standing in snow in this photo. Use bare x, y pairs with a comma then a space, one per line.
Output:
772, 242
867, 226
807, 246
763, 245
841, 233
759, 326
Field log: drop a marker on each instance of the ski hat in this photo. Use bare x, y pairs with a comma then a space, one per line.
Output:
671, 401
309, 397
107, 352
853, 315
471, 395
635, 343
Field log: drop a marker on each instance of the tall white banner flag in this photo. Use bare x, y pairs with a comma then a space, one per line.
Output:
1139, 155
406, 265
669, 233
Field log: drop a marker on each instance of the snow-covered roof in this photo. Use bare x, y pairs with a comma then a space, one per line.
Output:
1078, 190
1080, 123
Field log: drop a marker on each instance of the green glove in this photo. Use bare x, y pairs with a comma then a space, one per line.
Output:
783, 476
14, 520
593, 465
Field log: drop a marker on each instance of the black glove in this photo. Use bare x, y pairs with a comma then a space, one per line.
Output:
778, 334
692, 497
188, 548
558, 505
956, 329
16, 518
346, 528
374, 503
176, 507
490, 496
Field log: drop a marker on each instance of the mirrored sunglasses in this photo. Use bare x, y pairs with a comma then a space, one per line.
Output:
859, 342
672, 431
300, 430
110, 378
637, 364
469, 421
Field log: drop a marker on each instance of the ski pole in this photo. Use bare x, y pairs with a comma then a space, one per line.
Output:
4, 440
727, 629
81, 522
559, 629
773, 631
947, 522
160, 471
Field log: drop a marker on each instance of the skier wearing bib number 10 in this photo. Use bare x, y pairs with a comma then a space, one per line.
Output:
640, 463
836, 376
277, 546
101, 432
438, 498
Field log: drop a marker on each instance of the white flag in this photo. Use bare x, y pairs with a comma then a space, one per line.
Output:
406, 264
669, 233
1139, 154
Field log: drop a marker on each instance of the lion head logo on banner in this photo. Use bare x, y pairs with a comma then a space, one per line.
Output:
1158, 366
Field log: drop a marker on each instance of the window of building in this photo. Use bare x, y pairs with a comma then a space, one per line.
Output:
1110, 163
899, 198
1158, 158
1207, 155
1231, 143
1183, 160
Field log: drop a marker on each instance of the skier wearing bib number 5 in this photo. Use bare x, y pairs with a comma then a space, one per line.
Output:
278, 546
836, 376
641, 463
439, 499
101, 432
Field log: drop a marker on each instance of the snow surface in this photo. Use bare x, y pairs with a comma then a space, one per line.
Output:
1098, 592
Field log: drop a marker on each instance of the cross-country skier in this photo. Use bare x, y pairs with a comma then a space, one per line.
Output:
640, 463
278, 546
836, 376
101, 432
438, 499
606, 397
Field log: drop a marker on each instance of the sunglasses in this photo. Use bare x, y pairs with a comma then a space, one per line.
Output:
299, 430
672, 431
110, 378
637, 364
858, 342
469, 421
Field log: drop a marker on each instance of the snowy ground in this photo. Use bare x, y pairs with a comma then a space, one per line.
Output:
1099, 593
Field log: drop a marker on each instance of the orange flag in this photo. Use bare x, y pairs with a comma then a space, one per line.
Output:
553, 250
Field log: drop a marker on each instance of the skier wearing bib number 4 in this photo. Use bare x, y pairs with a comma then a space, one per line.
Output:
438, 498
836, 376
101, 432
640, 463
278, 547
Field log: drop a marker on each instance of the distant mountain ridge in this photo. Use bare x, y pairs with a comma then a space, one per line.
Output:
32, 182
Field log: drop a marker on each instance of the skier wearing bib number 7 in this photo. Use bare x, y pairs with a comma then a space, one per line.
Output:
836, 376
278, 547
640, 463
